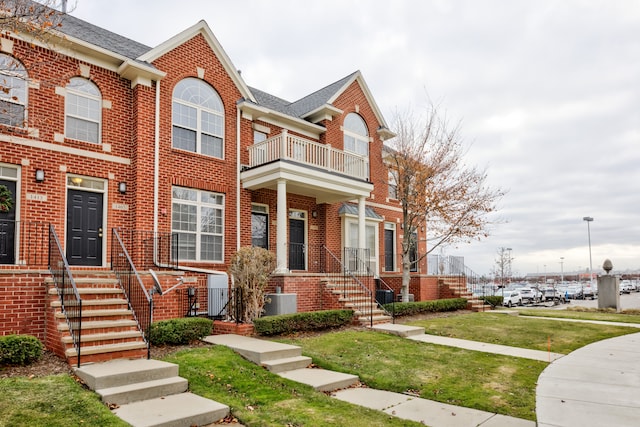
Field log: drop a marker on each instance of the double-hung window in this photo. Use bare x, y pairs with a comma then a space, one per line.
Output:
198, 219
83, 109
13, 91
198, 118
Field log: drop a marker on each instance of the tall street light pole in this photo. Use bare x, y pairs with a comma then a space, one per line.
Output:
589, 219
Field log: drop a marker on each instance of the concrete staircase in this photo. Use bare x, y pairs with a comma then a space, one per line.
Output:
354, 297
456, 287
149, 393
285, 360
109, 330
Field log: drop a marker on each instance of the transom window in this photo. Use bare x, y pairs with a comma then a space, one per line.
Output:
198, 219
83, 109
13, 91
356, 136
198, 118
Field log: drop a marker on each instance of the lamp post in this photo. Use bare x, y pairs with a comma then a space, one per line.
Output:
588, 219
562, 274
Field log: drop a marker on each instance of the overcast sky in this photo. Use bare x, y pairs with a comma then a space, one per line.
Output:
547, 93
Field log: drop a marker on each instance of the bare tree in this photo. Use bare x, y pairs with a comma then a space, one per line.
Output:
436, 188
502, 268
35, 23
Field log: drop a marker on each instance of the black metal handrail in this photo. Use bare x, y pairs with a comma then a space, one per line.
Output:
67, 290
453, 267
151, 249
140, 303
359, 259
24, 242
349, 277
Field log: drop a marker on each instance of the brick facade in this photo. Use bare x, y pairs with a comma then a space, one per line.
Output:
136, 147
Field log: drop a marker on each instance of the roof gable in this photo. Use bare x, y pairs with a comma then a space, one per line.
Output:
201, 28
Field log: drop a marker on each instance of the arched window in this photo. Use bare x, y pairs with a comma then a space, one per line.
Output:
13, 91
83, 109
198, 118
356, 136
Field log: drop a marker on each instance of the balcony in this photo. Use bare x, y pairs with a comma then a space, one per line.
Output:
310, 168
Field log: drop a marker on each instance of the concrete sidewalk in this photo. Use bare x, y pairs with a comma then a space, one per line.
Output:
596, 385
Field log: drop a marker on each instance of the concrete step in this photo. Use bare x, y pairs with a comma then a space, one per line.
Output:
122, 372
377, 319
399, 330
107, 336
255, 350
100, 313
107, 348
101, 324
287, 364
184, 409
321, 379
97, 302
138, 391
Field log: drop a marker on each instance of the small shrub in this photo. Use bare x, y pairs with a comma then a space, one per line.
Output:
435, 306
19, 349
250, 270
180, 331
298, 322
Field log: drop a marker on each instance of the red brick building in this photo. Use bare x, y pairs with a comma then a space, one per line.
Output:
166, 157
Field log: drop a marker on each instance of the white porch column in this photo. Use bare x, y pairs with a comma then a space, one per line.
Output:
362, 241
281, 228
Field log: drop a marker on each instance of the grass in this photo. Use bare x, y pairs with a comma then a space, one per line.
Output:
517, 331
488, 382
53, 401
585, 314
259, 398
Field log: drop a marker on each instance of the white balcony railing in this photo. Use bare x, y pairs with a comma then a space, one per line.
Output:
323, 156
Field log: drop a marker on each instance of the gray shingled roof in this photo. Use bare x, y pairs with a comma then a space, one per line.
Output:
100, 37
131, 49
304, 105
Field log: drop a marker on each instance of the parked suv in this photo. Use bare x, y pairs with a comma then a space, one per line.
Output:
512, 298
530, 295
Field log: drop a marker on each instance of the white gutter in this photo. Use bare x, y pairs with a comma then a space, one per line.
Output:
156, 163
238, 228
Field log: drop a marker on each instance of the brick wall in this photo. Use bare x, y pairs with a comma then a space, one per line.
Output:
22, 304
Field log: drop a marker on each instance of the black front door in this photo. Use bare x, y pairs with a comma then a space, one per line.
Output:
388, 250
84, 228
8, 227
296, 244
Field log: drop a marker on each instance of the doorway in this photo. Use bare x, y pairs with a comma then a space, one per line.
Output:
84, 227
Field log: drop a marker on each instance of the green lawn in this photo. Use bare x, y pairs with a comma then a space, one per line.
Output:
517, 331
489, 382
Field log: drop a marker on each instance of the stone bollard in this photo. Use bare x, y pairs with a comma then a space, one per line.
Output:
608, 288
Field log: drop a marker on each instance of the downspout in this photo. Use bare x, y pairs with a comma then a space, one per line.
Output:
238, 168
156, 166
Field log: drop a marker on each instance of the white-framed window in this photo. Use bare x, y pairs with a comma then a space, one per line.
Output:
83, 110
393, 184
198, 118
259, 136
198, 218
371, 243
356, 142
356, 135
13, 91
260, 225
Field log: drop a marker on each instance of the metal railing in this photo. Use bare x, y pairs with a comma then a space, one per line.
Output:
149, 249
67, 290
140, 303
33, 247
454, 267
357, 277
290, 147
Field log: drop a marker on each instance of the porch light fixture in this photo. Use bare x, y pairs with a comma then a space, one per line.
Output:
314, 214
122, 187
39, 175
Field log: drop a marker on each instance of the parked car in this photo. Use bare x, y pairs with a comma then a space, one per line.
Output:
589, 291
512, 298
625, 288
530, 295
574, 292
553, 294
